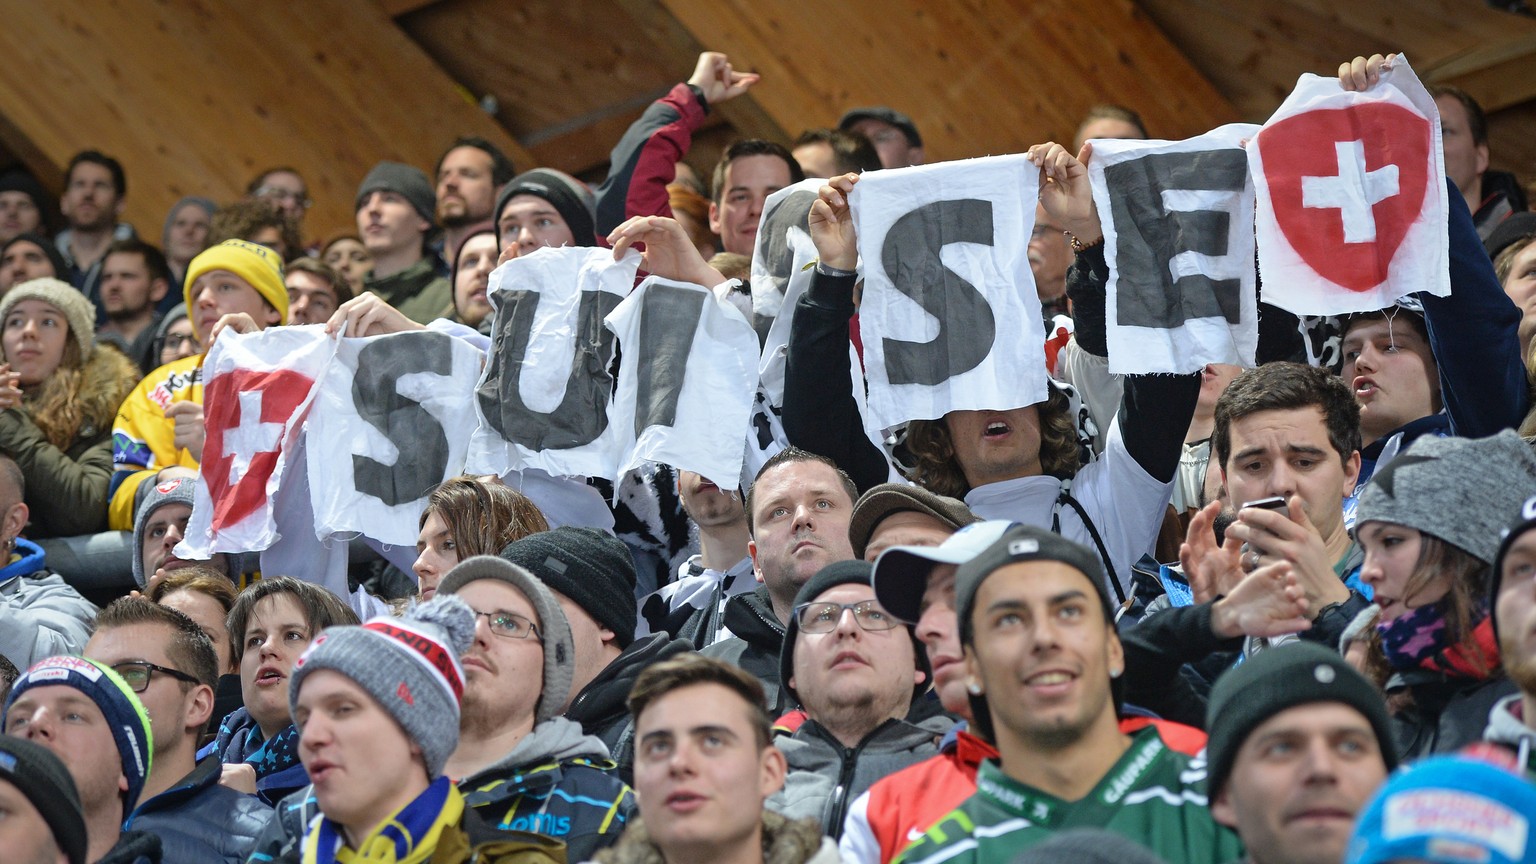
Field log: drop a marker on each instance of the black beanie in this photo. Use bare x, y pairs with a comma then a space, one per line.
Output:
1275, 679
39, 775
595, 570
839, 573
571, 198
17, 180
60, 269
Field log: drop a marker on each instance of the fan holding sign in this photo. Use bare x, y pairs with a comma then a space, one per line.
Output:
1011, 461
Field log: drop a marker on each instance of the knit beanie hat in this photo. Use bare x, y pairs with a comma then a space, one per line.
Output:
887, 498
407, 181
17, 180
829, 577
261, 267
80, 312
409, 665
39, 775
50, 251
594, 569
178, 491
204, 204
124, 713
1525, 520
572, 199
1087, 846
554, 630
1460, 490
1271, 681
1449, 810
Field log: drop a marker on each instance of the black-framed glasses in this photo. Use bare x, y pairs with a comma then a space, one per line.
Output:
509, 624
138, 672
823, 617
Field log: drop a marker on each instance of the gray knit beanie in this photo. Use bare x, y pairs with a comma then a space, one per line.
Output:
1459, 490
178, 491
409, 665
554, 630
78, 311
405, 180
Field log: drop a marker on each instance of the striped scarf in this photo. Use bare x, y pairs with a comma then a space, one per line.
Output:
409, 836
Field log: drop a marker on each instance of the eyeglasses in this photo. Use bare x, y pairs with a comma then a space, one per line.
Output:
138, 672
175, 340
509, 624
823, 617
277, 193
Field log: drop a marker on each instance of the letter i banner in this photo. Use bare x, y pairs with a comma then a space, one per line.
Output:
1178, 239
257, 389
950, 317
1351, 196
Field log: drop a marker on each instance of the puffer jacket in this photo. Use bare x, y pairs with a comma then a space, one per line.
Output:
785, 841
199, 821
40, 614
557, 782
602, 707
67, 487
825, 776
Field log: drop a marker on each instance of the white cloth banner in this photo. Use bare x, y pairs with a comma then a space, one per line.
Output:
686, 380
1178, 238
1351, 196
950, 319
543, 398
257, 389
392, 419
782, 250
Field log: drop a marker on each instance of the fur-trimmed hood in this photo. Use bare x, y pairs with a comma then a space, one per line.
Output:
107, 379
785, 841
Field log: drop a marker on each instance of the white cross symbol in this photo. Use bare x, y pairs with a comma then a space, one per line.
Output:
1352, 191
251, 437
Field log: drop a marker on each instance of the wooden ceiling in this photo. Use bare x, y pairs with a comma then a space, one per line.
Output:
196, 95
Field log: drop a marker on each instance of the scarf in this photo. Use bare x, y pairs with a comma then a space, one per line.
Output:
1421, 640
239, 740
409, 836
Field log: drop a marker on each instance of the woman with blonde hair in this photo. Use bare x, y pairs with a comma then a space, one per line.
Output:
59, 395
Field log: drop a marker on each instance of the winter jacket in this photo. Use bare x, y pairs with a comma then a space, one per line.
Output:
199, 821
417, 291
144, 439
556, 782
67, 487
602, 707
898, 808
756, 645
133, 847
1447, 713
1507, 727
785, 841
645, 159
40, 614
825, 776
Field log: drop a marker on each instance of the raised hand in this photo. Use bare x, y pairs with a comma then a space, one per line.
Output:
831, 224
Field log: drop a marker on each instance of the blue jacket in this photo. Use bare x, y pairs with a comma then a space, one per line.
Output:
199, 821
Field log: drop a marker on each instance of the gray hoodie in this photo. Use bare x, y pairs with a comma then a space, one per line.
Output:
1506, 727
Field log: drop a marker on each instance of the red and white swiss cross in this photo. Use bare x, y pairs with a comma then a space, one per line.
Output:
1350, 196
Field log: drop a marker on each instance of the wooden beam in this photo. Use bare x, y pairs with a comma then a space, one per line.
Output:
977, 76
1499, 75
397, 8
195, 100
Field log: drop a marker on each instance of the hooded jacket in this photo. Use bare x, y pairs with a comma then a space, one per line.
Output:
557, 782
785, 841
755, 647
40, 614
1506, 727
67, 486
602, 707
201, 822
1447, 713
825, 777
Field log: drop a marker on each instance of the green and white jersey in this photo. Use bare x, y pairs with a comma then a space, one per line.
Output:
1153, 795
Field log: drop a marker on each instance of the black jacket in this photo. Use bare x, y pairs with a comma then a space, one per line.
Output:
755, 648
602, 706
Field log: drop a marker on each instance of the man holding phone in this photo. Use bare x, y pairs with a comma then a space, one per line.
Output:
1287, 438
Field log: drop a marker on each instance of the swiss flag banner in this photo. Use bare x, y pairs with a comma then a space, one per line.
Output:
1350, 196
257, 387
